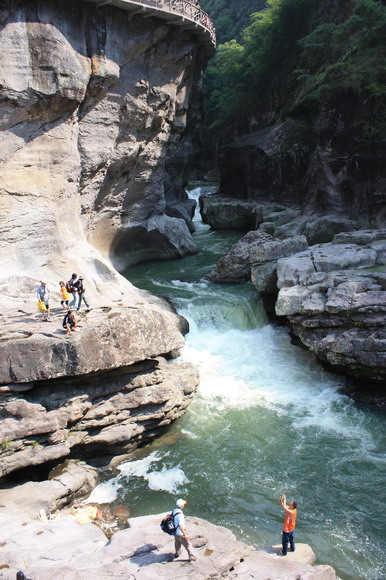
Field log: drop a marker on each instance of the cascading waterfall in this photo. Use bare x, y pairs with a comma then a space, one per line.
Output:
267, 419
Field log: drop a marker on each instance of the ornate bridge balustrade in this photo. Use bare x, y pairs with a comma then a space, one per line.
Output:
179, 12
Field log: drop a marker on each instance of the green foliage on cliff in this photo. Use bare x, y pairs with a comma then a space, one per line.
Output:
296, 53
230, 17
345, 57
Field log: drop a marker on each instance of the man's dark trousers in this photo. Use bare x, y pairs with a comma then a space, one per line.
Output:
288, 537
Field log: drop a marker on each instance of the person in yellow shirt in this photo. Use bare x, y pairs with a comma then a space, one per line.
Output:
64, 295
289, 524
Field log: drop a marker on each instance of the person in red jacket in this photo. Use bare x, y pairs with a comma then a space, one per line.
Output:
289, 524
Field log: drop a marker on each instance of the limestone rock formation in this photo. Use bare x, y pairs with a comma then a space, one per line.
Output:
43, 548
100, 108
103, 411
94, 102
334, 298
332, 294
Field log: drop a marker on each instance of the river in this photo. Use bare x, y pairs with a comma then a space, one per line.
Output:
267, 419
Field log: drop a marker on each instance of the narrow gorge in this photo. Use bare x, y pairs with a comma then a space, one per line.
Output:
226, 208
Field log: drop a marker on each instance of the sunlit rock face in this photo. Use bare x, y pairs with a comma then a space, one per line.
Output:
98, 116
94, 102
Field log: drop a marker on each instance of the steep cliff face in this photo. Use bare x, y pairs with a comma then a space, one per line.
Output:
94, 101
98, 109
301, 108
323, 168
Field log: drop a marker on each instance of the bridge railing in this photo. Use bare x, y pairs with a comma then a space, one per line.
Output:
184, 8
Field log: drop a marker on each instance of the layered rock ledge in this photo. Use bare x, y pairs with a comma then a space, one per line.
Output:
44, 548
100, 391
332, 294
336, 305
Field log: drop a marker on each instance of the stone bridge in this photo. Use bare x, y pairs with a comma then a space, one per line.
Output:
185, 14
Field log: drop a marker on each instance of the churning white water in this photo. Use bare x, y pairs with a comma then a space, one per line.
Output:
267, 419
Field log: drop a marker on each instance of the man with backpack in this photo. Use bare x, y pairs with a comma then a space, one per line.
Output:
71, 286
81, 290
181, 538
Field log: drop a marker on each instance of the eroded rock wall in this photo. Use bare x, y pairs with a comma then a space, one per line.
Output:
323, 167
98, 108
97, 414
94, 101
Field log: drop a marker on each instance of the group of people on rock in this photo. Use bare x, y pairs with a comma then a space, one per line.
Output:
73, 289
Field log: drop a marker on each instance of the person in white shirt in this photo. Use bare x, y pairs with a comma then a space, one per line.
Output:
43, 295
181, 538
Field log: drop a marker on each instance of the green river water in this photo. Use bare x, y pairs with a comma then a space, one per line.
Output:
267, 419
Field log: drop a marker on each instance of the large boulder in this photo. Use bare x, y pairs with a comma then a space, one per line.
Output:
235, 265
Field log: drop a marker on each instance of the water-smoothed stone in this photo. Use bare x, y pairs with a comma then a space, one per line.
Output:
266, 562
70, 480
64, 548
235, 265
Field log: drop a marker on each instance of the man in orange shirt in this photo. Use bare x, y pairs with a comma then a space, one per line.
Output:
289, 524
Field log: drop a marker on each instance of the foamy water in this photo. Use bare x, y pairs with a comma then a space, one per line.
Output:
267, 419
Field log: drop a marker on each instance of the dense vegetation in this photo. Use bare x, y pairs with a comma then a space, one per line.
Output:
230, 17
297, 53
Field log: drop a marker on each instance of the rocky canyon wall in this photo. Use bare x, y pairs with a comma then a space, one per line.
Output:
99, 108
94, 102
321, 168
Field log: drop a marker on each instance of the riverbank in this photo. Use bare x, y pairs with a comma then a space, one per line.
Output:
41, 547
